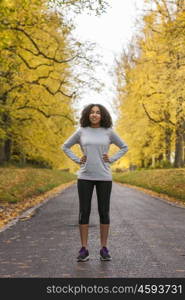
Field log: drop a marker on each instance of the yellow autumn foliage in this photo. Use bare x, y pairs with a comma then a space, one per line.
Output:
151, 91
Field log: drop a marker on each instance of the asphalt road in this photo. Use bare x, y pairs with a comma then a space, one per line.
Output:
147, 239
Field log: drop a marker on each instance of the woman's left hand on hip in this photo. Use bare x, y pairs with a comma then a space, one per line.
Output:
106, 157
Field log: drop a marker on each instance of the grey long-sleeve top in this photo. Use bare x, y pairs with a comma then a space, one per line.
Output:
94, 142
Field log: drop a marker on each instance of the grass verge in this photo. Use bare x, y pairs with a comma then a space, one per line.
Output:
17, 184
170, 182
22, 189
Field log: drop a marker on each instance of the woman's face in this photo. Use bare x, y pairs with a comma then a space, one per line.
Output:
95, 116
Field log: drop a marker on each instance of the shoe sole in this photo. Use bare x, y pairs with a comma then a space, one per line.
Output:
83, 259
105, 259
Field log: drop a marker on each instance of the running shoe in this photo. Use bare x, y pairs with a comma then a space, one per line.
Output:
83, 254
104, 254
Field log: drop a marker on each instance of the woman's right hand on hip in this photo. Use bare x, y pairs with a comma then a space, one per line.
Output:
83, 159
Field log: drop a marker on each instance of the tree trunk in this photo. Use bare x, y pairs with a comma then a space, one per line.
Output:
180, 130
22, 159
168, 134
8, 147
6, 144
2, 151
142, 163
160, 157
184, 148
153, 160
5, 150
179, 145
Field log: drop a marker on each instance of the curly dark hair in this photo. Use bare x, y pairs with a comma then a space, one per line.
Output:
106, 120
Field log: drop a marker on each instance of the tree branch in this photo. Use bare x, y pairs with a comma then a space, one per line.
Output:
4, 95
30, 67
152, 119
36, 82
39, 52
44, 113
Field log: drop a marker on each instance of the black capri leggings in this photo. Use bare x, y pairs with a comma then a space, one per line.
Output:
103, 192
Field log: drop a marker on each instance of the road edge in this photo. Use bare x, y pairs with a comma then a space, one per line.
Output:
35, 202
163, 197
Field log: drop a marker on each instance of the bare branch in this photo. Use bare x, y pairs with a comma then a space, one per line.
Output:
167, 11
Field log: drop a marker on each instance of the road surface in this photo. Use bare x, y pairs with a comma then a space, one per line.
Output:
147, 239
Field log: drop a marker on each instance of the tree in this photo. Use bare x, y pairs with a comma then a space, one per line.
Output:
153, 93
38, 85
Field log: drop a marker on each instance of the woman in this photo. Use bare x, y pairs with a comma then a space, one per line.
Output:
94, 137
